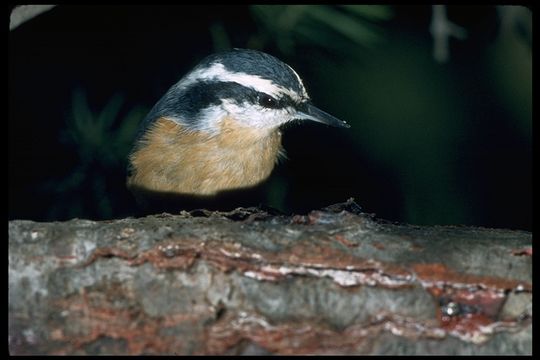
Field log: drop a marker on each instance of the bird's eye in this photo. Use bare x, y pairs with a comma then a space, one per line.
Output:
267, 101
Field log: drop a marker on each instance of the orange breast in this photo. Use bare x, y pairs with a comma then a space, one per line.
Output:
172, 159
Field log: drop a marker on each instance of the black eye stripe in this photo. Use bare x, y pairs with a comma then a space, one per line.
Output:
187, 103
267, 101
207, 93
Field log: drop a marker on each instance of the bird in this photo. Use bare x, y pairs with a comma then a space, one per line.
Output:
218, 129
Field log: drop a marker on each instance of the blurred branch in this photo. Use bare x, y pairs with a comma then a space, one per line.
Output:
23, 13
442, 29
516, 19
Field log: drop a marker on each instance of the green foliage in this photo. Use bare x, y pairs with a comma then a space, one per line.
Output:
327, 26
94, 135
102, 141
219, 36
509, 63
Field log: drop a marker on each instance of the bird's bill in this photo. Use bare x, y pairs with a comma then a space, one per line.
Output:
310, 112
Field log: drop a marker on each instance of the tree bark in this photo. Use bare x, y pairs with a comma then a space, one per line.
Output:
334, 281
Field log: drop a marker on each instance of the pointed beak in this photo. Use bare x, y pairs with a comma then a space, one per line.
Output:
310, 112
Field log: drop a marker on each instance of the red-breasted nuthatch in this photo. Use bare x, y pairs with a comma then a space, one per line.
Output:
218, 128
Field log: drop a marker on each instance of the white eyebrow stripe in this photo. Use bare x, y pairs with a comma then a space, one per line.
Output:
217, 72
304, 92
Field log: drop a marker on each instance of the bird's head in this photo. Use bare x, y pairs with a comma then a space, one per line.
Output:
255, 89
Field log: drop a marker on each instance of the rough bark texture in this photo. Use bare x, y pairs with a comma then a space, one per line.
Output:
334, 281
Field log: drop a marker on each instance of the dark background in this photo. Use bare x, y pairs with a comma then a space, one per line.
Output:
430, 142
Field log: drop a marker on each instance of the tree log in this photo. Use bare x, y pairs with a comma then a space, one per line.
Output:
249, 281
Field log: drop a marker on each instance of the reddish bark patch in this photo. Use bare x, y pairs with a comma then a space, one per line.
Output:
469, 305
440, 274
93, 314
523, 252
343, 240
295, 338
303, 258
